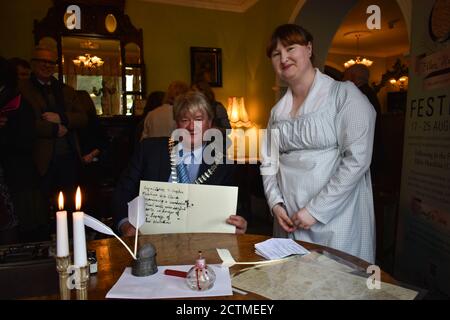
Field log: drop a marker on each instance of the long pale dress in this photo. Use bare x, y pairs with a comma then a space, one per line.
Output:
324, 158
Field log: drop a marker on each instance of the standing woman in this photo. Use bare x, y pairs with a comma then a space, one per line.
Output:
321, 192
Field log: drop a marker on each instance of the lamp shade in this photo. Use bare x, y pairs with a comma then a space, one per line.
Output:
237, 114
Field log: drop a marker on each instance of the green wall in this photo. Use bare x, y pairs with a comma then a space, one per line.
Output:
16, 25
260, 21
169, 31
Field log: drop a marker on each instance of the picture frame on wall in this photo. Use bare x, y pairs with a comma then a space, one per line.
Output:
206, 65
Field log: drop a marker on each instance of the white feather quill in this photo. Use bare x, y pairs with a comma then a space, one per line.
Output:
99, 226
136, 212
136, 216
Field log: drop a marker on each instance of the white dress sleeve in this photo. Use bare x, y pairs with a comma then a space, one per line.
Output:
355, 125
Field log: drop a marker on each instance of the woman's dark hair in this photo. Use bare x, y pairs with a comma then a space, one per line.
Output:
15, 62
205, 88
154, 100
289, 34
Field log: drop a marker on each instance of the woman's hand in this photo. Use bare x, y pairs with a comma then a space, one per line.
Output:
283, 219
239, 222
303, 219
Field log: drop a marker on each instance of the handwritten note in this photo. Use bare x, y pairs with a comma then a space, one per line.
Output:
180, 208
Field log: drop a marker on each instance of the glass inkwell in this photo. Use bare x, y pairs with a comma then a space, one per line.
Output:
200, 277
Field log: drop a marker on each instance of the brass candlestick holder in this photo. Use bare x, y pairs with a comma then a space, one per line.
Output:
82, 283
62, 264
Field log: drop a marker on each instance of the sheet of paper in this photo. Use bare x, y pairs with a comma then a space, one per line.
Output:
302, 279
179, 208
277, 248
161, 286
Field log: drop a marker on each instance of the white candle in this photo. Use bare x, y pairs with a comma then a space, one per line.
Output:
62, 236
79, 238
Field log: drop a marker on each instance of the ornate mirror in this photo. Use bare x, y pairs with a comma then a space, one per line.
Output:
99, 51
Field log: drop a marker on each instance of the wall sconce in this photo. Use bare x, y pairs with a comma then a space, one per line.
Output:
237, 114
398, 71
401, 83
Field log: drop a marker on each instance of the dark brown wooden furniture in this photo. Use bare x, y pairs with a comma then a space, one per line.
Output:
95, 23
181, 249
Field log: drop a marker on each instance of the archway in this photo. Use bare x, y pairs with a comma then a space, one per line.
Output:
325, 28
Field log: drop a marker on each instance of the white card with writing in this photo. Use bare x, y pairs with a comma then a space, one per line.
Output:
183, 208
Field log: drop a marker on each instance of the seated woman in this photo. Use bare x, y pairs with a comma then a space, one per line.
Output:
152, 162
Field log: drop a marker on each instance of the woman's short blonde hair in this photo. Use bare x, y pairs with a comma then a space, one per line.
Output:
191, 102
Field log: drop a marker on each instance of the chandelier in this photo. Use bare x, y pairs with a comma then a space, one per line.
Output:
358, 59
88, 61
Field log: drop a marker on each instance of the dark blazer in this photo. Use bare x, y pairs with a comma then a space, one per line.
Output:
70, 111
151, 162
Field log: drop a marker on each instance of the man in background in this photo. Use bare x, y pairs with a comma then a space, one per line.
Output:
359, 74
58, 114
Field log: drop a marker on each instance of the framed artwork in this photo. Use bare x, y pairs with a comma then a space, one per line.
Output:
206, 65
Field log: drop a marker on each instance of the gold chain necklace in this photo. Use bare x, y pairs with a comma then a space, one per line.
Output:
173, 165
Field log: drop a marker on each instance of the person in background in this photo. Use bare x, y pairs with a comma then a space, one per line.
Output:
92, 138
151, 161
160, 122
22, 68
321, 191
58, 114
359, 74
221, 120
93, 146
28, 217
154, 100
8, 218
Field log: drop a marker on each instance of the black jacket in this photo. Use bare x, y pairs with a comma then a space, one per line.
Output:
151, 162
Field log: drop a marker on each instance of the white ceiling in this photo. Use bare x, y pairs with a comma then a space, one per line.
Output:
225, 5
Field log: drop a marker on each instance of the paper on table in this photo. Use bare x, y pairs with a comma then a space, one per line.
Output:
160, 286
300, 278
277, 248
178, 208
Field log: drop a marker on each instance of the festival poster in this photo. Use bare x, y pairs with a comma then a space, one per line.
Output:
423, 237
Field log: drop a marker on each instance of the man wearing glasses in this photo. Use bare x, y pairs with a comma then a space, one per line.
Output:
57, 115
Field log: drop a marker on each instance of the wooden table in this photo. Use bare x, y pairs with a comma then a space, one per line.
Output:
182, 249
